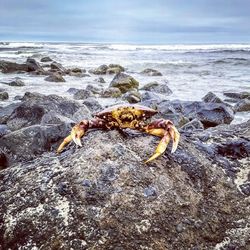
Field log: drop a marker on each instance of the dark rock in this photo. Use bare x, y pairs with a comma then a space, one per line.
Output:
27, 143
25, 115
18, 98
132, 96
82, 94
211, 97
6, 111
46, 59
55, 77
241, 95
57, 67
124, 82
242, 105
210, 114
4, 96
158, 88
83, 113
172, 111
193, 125
53, 118
119, 202
93, 89
111, 71
77, 70
72, 90
33, 108
101, 70
4, 130
12, 67
111, 92
117, 66
16, 83
100, 79
4, 162
151, 72
92, 104
33, 65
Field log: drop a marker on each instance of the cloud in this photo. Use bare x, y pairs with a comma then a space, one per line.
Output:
143, 21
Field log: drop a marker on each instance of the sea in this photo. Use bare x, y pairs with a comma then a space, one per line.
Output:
190, 70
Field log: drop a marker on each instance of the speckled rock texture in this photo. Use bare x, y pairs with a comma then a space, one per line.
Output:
103, 196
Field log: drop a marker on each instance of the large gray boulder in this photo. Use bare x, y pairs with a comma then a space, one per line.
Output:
34, 106
124, 82
103, 196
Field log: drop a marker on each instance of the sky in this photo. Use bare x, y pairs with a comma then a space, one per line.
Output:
126, 21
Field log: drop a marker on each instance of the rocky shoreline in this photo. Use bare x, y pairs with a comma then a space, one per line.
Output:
102, 196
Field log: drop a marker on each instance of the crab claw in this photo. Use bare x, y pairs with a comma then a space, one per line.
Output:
76, 133
173, 134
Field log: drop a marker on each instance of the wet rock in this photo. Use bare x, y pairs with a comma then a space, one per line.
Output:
25, 115
57, 67
157, 206
46, 59
172, 111
4, 96
132, 96
92, 104
151, 72
72, 90
124, 82
211, 97
55, 77
12, 67
52, 118
115, 70
18, 98
158, 88
33, 108
101, 70
122, 69
235, 95
27, 143
6, 111
4, 130
33, 65
193, 125
210, 114
82, 94
100, 80
83, 113
78, 70
4, 162
16, 83
243, 105
111, 92
94, 89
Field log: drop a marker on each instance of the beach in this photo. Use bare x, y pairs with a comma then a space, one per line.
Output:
98, 191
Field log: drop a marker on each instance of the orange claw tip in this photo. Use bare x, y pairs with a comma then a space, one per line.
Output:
154, 156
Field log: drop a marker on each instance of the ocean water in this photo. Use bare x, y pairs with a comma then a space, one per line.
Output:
191, 70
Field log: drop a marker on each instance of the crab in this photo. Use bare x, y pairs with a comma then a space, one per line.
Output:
127, 116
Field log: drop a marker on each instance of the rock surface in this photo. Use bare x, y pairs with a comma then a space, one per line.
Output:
55, 77
158, 88
124, 82
102, 196
242, 105
4, 96
151, 72
211, 97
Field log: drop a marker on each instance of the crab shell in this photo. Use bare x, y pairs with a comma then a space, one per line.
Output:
126, 112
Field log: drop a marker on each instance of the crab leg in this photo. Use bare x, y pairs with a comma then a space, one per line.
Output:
166, 130
79, 130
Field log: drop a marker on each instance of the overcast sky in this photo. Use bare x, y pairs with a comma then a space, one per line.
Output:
126, 21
